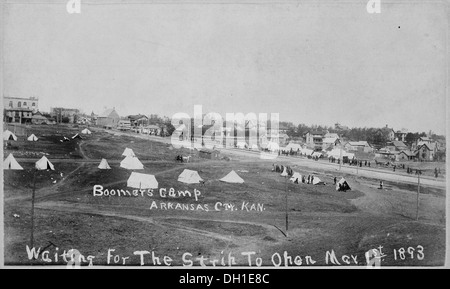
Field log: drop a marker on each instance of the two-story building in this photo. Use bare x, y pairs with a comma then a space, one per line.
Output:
314, 139
138, 120
426, 151
19, 110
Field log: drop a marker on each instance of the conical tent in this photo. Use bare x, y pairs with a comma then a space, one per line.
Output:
284, 173
44, 164
142, 181
296, 177
189, 177
131, 163
317, 181
86, 131
104, 165
7, 135
343, 185
273, 146
32, 138
128, 153
10, 163
232, 177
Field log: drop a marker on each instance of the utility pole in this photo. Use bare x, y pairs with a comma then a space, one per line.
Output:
418, 194
286, 207
32, 211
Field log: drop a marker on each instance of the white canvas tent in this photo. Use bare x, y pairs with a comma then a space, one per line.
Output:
317, 154
232, 177
142, 181
295, 147
44, 164
77, 136
336, 153
104, 165
284, 173
86, 131
273, 146
131, 163
255, 147
317, 181
241, 145
7, 135
189, 177
32, 138
10, 163
307, 152
296, 177
343, 185
128, 153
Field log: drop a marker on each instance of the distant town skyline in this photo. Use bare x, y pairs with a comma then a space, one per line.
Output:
313, 63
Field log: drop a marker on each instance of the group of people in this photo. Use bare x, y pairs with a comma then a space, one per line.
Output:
437, 172
290, 152
305, 180
281, 168
412, 171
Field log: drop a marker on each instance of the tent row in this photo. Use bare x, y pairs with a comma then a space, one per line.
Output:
10, 163
146, 181
297, 178
8, 135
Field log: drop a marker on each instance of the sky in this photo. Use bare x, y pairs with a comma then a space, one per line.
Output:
313, 62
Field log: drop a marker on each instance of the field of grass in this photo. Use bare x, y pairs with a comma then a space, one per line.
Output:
320, 219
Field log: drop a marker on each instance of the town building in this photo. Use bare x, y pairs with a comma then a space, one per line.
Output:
330, 140
361, 146
398, 145
18, 115
405, 155
400, 135
426, 151
108, 119
138, 120
314, 139
38, 118
31, 103
19, 110
124, 124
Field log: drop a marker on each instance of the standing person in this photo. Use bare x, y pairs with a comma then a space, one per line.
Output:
381, 185
435, 173
369, 164
335, 181
394, 168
